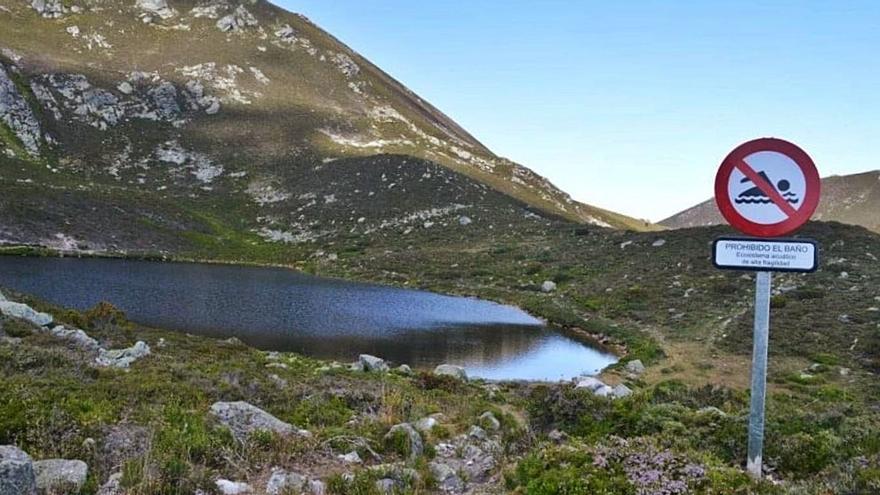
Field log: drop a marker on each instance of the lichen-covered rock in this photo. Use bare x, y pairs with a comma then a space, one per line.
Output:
447, 477
451, 370
60, 476
244, 419
122, 358
239, 20
373, 363
25, 312
17, 115
16, 472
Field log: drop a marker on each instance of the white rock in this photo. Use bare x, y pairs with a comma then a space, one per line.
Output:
658, 243
464, 220
60, 475
227, 487
372, 363
156, 7
548, 286
122, 358
351, 458
25, 312
588, 382
125, 87
76, 336
404, 369
603, 391
451, 370
317, 487
621, 391
427, 424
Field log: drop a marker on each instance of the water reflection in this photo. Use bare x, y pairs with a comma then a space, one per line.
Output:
283, 310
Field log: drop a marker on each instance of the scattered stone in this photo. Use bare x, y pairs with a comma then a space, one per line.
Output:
125, 87
548, 286
414, 446
451, 370
446, 477
464, 221
244, 419
477, 433
282, 482
372, 363
385, 485
623, 245
844, 371
317, 487
659, 243
635, 367
16, 472
404, 369
25, 312
351, 458
588, 382
60, 475
50, 9
227, 487
621, 391
122, 358
603, 391
844, 275
843, 319
489, 421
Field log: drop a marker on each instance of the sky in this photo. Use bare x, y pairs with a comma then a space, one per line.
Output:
631, 106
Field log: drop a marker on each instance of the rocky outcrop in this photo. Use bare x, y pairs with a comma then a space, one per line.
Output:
237, 21
50, 9
244, 419
60, 476
75, 336
226, 487
451, 370
282, 482
25, 312
158, 8
599, 388
122, 358
17, 115
16, 472
634, 368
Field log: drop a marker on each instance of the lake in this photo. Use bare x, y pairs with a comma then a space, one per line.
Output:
282, 310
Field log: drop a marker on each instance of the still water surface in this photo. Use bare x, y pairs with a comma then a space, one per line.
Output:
279, 309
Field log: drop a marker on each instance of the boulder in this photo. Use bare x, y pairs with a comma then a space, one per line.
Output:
244, 419
372, 363
451, 370
156, 7
122, 358
25, 312
635, 367
404, 369
603, 391
281, 482
489, 421
227, 487
412, 441
621, 391
477, 433
16, 472
317, 487
60, 475
351, 458
386, 486
464, 221
659, 243
548, 286
425, 425
239, 20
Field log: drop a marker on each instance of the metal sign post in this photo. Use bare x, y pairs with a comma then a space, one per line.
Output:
765, 188
759, 372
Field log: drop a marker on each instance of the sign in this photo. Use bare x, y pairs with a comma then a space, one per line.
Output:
767, 187
789, 255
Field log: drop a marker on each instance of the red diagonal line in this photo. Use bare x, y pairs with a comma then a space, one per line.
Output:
768, 188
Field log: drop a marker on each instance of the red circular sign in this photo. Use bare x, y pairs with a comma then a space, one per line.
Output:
767, 187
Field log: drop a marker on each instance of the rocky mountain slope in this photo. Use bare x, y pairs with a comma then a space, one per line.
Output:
852, 199
155, 119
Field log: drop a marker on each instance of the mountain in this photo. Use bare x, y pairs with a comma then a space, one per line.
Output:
851, 199
137, 125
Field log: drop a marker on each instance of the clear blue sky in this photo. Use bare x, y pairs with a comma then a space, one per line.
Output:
632, 105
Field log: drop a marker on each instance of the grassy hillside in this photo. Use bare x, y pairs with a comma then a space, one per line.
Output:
852, 199
187, 109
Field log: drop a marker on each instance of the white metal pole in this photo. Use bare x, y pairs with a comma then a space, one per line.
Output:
759, 372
